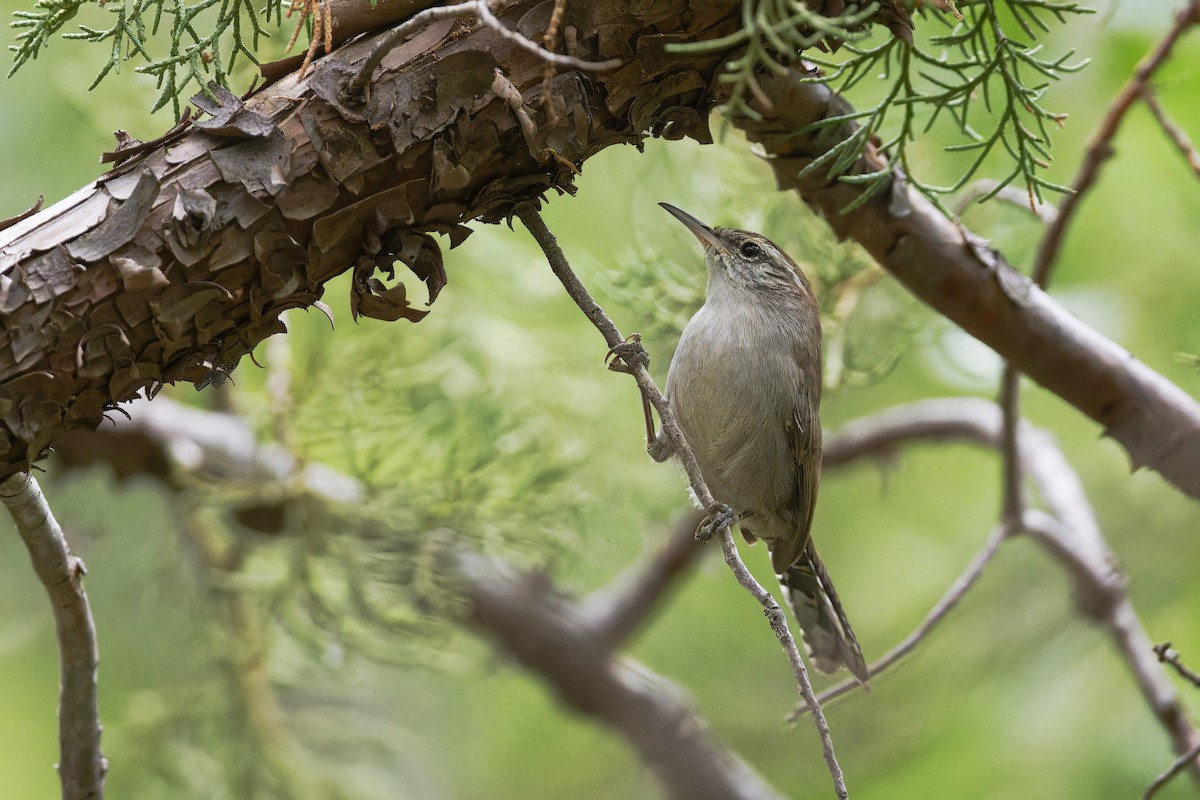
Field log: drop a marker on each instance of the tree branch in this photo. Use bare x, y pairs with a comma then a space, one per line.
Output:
954, 271
1099, 149
191, 286
1169, 774
1070, 533
970, 575
1168, 656
81, 766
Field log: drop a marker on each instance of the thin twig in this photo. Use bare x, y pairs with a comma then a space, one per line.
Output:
1069, 533
719, 514
1168, 656
987, 187
779, 625
481, 10
1012, 504
1169, 774
1100, 148
1177, 134
81, 766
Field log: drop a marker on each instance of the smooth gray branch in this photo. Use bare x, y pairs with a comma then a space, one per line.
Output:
528, 620
1069, 532
1168, 775
81, 766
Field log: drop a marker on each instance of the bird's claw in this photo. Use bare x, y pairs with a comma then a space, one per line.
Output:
626, 355
715, 523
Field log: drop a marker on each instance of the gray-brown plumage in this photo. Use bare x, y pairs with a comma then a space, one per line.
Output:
745, 386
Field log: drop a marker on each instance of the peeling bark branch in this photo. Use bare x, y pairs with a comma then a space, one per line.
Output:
179, 261
81, 766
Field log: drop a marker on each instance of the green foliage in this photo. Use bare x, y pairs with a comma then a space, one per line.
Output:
204, 39
983, 60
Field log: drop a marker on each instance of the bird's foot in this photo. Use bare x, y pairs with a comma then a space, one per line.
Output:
625, 356
716, 522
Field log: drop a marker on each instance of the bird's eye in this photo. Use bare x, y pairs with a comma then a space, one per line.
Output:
751, 250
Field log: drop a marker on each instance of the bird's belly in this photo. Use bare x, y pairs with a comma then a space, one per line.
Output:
732, 402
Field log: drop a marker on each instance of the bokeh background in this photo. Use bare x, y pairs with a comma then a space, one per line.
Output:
494, 417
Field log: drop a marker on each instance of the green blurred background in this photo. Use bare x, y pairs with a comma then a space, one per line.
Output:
494, 417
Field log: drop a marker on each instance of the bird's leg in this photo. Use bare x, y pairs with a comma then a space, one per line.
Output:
624, 358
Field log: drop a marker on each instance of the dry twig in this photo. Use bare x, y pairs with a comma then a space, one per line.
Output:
1168, 656
1100, 148
481, 10
1168, 775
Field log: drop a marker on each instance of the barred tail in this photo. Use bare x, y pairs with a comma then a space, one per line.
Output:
827, 634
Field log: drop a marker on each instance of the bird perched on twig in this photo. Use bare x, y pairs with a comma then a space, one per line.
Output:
745, 387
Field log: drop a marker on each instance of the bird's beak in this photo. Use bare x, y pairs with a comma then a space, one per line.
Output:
706, 235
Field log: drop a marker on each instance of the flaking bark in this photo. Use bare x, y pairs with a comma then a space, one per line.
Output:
179, 261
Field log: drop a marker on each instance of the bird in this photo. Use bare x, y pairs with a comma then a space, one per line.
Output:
744, 386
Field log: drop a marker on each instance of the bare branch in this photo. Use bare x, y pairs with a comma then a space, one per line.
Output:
1100, 148
81, 766
1012, 504
720, 516
944, 606
1169, 774
1069, 533
1169, 656
530, 622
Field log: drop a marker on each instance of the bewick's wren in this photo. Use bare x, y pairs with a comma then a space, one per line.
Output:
745, 387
